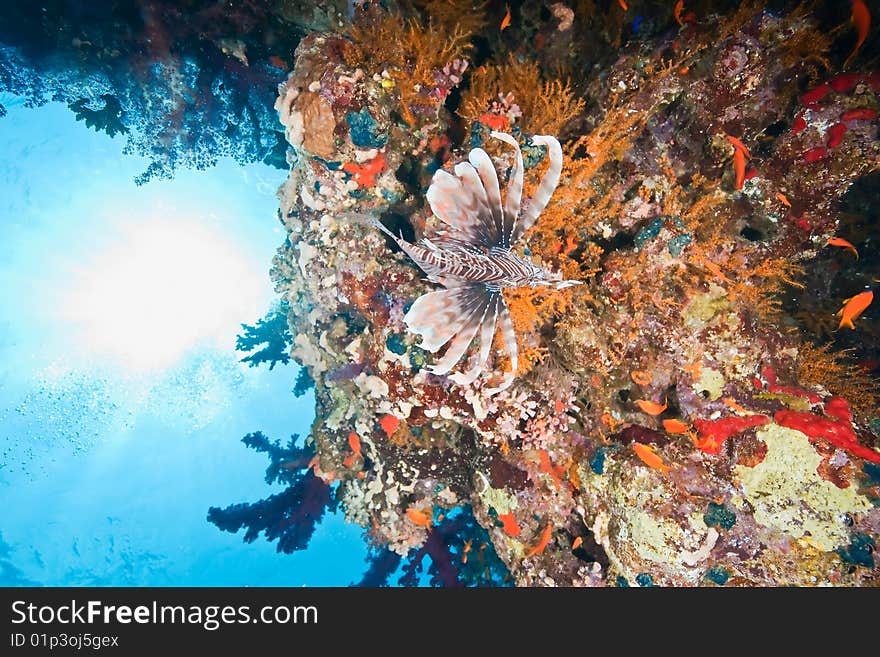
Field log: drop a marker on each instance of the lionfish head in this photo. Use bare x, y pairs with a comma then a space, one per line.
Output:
541, 277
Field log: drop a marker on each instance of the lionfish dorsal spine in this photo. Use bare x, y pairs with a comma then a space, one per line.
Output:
545, 189
513, 197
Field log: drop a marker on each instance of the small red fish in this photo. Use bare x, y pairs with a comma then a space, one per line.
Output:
389, 424
853, 307
816, 154
835, 135
861, 18
676, 11
798, 124
815, 94
739, 167
740, 154
860, 114
649, 457
845, 82
651, 407
839, 241
506, 20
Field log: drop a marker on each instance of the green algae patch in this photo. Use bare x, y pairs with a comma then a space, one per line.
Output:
718, 515
788, 494
706, 305
711, 381
499, 499
859, 552
718, 575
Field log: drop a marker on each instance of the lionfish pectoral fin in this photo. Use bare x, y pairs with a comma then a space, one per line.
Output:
464, 202
476, 314
487, 335
513, 199
437, 316
508, 338
545, 190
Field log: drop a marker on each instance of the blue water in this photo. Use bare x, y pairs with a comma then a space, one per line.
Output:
122, 400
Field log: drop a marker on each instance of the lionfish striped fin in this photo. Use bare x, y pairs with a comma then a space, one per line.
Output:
439, 315
508, 338
472, 184
489, 177
545, 190
462, 203
465, 335
513, 198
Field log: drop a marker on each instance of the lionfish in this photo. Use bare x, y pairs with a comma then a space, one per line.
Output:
472, 257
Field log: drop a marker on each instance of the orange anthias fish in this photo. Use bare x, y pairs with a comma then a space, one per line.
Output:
839, 241
355, 443
649, 457
675, 426
740, 154
861, 18
506, 20
676, 11
737, 144
419, 518
853, 307
783, 199
542, 543
577, 542
651, 407
623, 4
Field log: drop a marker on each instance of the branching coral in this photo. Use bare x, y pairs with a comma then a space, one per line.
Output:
546, 105
414, 54
820, 366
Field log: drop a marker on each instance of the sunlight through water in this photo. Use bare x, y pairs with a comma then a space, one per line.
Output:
165, 286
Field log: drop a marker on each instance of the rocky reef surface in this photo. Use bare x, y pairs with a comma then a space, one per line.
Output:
678, 419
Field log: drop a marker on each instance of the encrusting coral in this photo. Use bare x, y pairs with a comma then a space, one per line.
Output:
665, 412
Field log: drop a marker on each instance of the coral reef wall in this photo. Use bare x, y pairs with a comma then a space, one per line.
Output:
676, 421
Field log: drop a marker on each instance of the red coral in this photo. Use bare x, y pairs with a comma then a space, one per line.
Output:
836, 428
495, 121
769, 375
713, 433
365, 174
